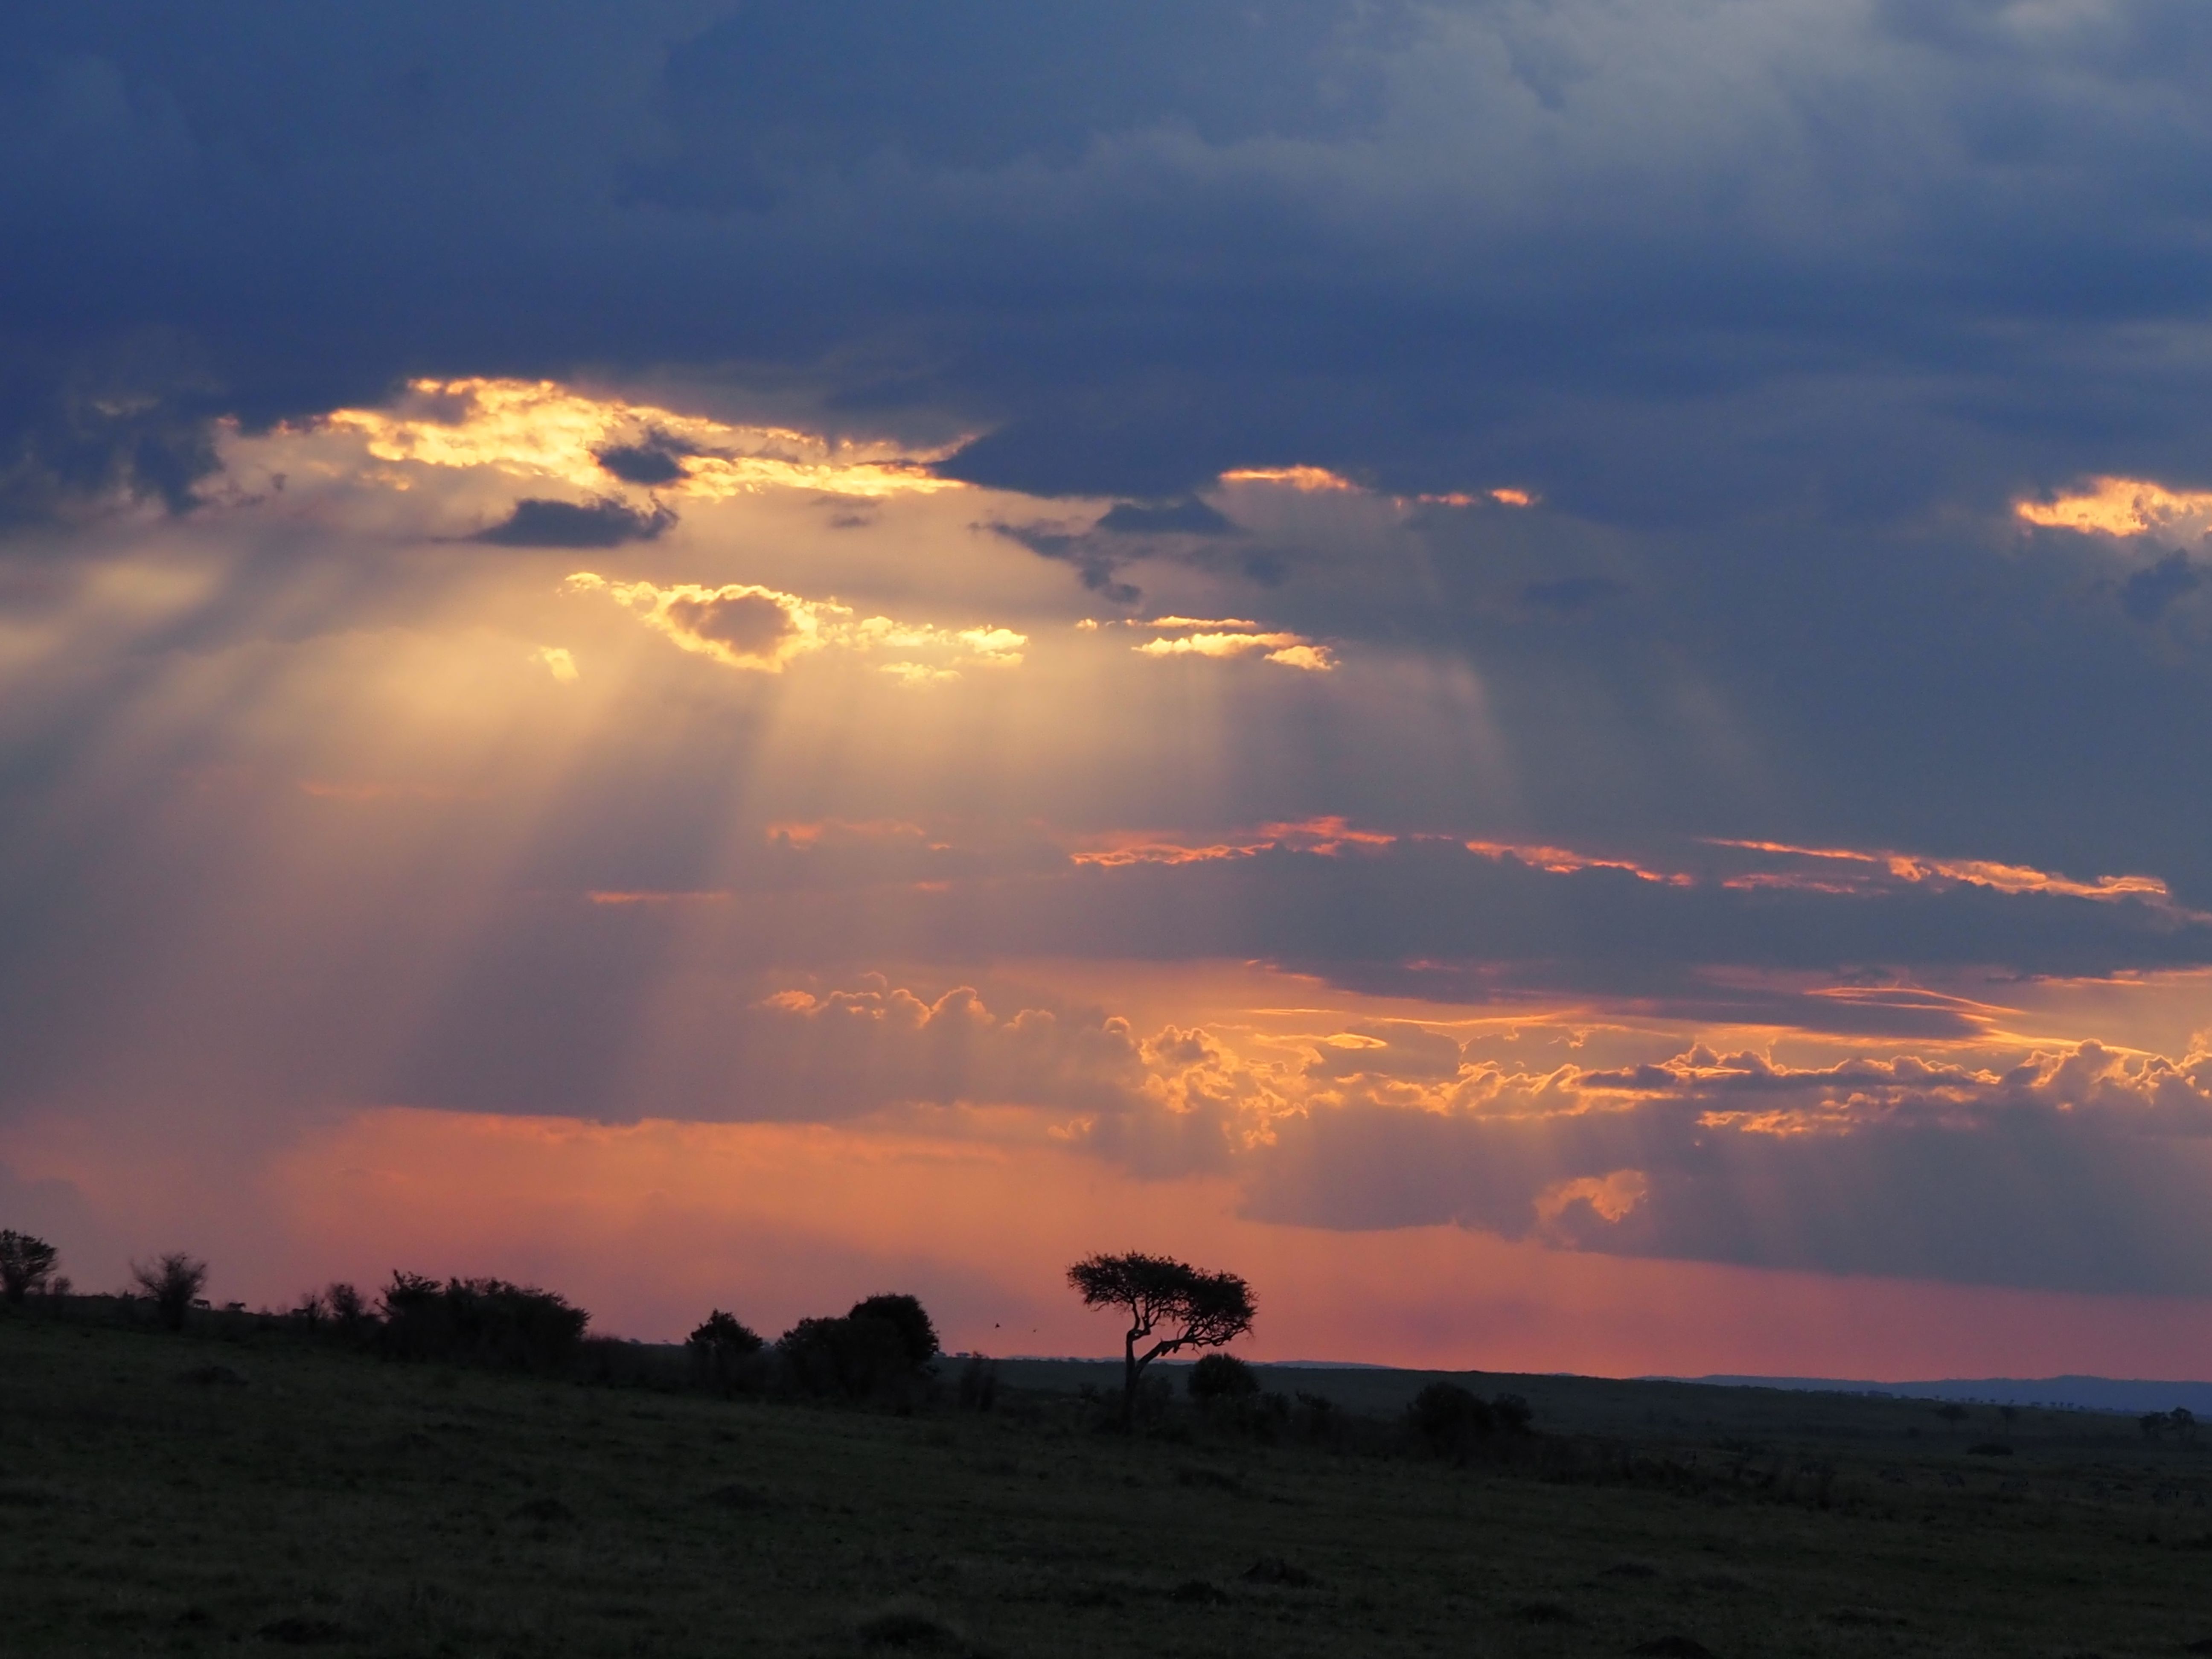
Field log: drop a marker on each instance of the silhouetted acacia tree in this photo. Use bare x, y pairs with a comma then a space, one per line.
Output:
27, 1264
172, 1283
1175, 1303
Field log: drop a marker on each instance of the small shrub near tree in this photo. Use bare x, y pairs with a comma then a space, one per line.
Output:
27, 1265
171, 1282
1221, 1377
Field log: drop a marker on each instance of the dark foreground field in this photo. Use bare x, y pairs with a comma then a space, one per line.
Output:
151, 1504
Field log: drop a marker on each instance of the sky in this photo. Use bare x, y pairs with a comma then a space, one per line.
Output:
1539, 671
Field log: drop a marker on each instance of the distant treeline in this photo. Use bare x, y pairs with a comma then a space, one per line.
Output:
883, 1352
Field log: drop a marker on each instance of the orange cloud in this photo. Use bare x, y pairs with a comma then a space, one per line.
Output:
1308, 480
1562, 861
1325, 835
2122, 507
1915, 869
1611, 1197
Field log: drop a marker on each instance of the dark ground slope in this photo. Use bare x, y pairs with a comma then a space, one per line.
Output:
151, 1504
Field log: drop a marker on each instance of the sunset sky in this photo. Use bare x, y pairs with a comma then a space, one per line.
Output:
1539, 671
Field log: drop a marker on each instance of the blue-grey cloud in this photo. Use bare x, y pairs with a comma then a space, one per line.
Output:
657, 461
1662, 263
1185, 516
606, 521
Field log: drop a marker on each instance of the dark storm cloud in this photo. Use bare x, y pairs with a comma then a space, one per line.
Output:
606, 521
1096, 559
1187, 516
1662, 262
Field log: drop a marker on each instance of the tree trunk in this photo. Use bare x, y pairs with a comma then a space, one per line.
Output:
1129, 1378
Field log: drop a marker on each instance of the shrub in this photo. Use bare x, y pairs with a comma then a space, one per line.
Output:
348, 1308
854, 1359
485, 1321
173, 1284
879, 1351
1222, 1377
27, 1265
904, 1314
722, 1350
726, 1332
1447, 1416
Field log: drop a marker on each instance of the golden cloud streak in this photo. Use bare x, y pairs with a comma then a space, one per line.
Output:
1289, 650
1910, 867
2120, 507
538, 429
742, 625
1307, 480
1328, 836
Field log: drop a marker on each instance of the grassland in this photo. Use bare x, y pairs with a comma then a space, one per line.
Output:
150, 1503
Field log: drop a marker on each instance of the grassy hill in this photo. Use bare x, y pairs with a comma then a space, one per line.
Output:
178, 1495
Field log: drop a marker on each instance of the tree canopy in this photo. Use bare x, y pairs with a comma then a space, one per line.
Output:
27, 1264
1170, 1303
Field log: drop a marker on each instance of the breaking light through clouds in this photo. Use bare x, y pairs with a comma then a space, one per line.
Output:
1304, 647
742, 626
537, 430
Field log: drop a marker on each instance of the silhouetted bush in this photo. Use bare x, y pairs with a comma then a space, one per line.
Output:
1451, 1419
1446, 1415
484, 1322
171, 1282
905, 1315
27, 1265
848, 1358
725, 1352
1222, 1377
880, 1351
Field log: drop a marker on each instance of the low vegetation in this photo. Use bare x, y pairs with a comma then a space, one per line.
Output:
458, 1468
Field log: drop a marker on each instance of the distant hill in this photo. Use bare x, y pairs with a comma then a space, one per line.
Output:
2097, 1394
